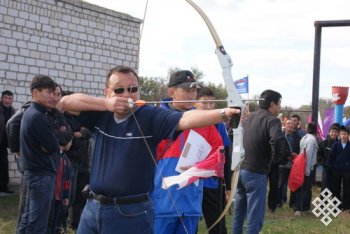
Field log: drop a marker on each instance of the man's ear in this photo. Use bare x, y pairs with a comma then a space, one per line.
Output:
170, 92
35, 93
271, 105
105, 92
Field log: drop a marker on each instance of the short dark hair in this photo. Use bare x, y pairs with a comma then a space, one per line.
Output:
66, 93
344, 129
41, 82
311, 128
121, 69
6, 92
59, 86
335, 125
296, 116
205, 91
267, 97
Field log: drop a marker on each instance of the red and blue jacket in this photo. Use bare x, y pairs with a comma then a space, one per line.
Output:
188, 200
63, 178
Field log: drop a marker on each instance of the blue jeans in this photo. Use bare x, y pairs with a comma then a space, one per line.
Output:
136, 218
250, 202
73, 175
38, 202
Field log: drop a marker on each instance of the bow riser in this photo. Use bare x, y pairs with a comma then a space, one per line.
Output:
233, 98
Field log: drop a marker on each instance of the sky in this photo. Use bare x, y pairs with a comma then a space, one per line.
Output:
271, 41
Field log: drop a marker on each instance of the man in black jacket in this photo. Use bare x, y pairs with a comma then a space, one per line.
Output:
6, 111
13, 126
264, 144
12, 130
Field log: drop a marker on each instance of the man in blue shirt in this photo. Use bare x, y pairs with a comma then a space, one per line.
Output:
39, 154
125, 141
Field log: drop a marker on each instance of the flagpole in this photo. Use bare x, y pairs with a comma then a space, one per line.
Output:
248, 90
248, 85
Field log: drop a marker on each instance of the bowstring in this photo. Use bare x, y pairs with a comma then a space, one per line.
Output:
142, 26
143, 20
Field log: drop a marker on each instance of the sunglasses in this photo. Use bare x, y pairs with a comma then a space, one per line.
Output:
129, 90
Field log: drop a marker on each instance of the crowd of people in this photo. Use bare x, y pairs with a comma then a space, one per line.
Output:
99, 162
47, 145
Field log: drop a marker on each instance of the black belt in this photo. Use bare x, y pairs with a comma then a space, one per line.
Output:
118, 200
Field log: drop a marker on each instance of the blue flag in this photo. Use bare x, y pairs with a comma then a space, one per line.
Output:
242, 85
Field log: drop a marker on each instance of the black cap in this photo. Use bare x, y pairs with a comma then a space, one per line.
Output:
183, 79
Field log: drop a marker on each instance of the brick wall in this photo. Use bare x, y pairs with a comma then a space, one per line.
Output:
74, 42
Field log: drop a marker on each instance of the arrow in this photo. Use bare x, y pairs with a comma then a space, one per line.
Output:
143, 102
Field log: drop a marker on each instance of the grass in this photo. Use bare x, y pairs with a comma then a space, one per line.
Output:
8, 213
281, 221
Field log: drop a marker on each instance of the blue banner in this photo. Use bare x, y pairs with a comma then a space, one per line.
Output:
242, 85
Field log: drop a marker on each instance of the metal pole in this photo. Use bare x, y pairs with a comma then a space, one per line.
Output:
317, 59
316, 72
332, 23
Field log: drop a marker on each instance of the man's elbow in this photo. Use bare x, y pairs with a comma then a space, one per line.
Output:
183, 124
63, 104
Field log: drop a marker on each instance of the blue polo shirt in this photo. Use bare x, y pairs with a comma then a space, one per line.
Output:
122, 164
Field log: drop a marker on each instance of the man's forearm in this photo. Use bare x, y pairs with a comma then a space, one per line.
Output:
81, 102
202, 118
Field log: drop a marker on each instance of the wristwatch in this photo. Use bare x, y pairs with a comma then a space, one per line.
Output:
223, 115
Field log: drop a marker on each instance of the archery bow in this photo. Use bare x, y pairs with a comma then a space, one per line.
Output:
233, 100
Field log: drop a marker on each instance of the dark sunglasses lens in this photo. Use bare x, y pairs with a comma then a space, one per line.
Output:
119, 91
133, 89
130, 90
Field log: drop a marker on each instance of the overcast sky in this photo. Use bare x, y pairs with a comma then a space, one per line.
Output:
272, 41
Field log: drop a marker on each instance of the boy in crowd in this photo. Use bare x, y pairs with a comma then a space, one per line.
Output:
340, 164
215, 189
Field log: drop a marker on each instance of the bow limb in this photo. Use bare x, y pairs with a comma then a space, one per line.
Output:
233, 100
234, 182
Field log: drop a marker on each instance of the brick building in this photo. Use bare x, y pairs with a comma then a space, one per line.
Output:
72, 41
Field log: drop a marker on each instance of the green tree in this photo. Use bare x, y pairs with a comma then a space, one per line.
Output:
287, 111
198, 74
254, 105
153, 88
219, 92
304, 111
